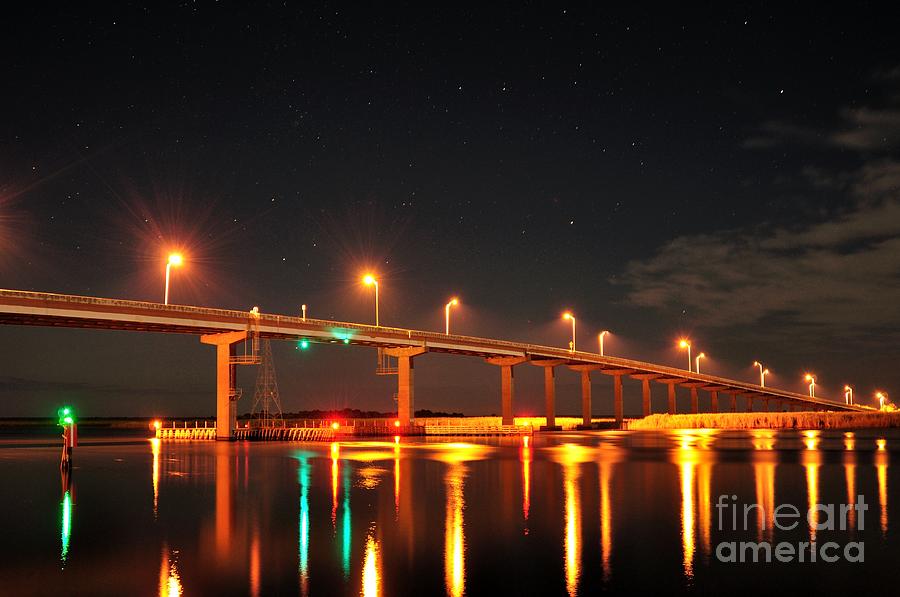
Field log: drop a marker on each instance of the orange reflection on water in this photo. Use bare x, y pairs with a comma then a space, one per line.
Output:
764, 475
526, 483
335, 455
154, 447
255, 563
571, 456
169, 579
454, 537
881, 466
605, 517
396, 477
687, 515
811, 462
850, 474
688, 458
763, 439
223, 501
371, 577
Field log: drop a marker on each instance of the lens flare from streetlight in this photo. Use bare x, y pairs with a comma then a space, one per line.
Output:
809, 377
567, 315
369, 279
176, 259
683, 344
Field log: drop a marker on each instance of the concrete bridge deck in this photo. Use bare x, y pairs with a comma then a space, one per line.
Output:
225, 328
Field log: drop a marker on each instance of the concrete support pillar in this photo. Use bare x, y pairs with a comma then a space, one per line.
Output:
734, 403
672, 409
406, 390
585, 371
586, 398
695, 401
549, 366
713, 401
645, 396
550, 395
749, 404
765, 405
406, 377
226, 398
617, 400
507, 385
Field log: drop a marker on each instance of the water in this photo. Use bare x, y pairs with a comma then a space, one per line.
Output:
572, 513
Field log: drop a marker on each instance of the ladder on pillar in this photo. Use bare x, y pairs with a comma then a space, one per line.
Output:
384, 365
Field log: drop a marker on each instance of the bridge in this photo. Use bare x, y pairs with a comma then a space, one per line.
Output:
228, 329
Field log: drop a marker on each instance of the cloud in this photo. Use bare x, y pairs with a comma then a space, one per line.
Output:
862, 129
839, 274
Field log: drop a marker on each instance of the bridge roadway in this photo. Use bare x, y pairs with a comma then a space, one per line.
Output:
227, 328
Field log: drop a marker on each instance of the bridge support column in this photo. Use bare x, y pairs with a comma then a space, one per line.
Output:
749, 404
645, 390
695, 401
586, 418
713, 401
406, 389
618, 405
507, 385
226, 398
672, 409
549, 366
733, 407
645, 396
586, 399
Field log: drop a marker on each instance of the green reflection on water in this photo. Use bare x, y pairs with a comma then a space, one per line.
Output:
66, 524
303, 547
345, 515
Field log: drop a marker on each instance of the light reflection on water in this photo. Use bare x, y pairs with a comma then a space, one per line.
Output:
385, 517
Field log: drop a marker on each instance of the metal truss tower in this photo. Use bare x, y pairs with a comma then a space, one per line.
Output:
266, 411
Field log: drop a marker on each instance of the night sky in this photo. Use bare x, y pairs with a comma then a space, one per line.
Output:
731, 176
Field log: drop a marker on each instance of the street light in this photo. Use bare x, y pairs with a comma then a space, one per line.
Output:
812, 384
882, 398
702, 355
762, 373
369, 280
848, 395
686, 344
174, 259
453, 302
600, 340
568, 315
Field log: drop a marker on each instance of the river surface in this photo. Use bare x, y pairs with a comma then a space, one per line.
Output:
564, 514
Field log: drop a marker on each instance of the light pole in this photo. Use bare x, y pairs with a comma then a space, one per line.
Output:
882, 398
702, 355
453, 302
174, 259
812, 384
848, 395
686, 344
369, 280
762, 373
600, 340
303, 308
568, 315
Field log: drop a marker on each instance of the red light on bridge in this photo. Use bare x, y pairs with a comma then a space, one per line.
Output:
157, 424
396, 423
335, 425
